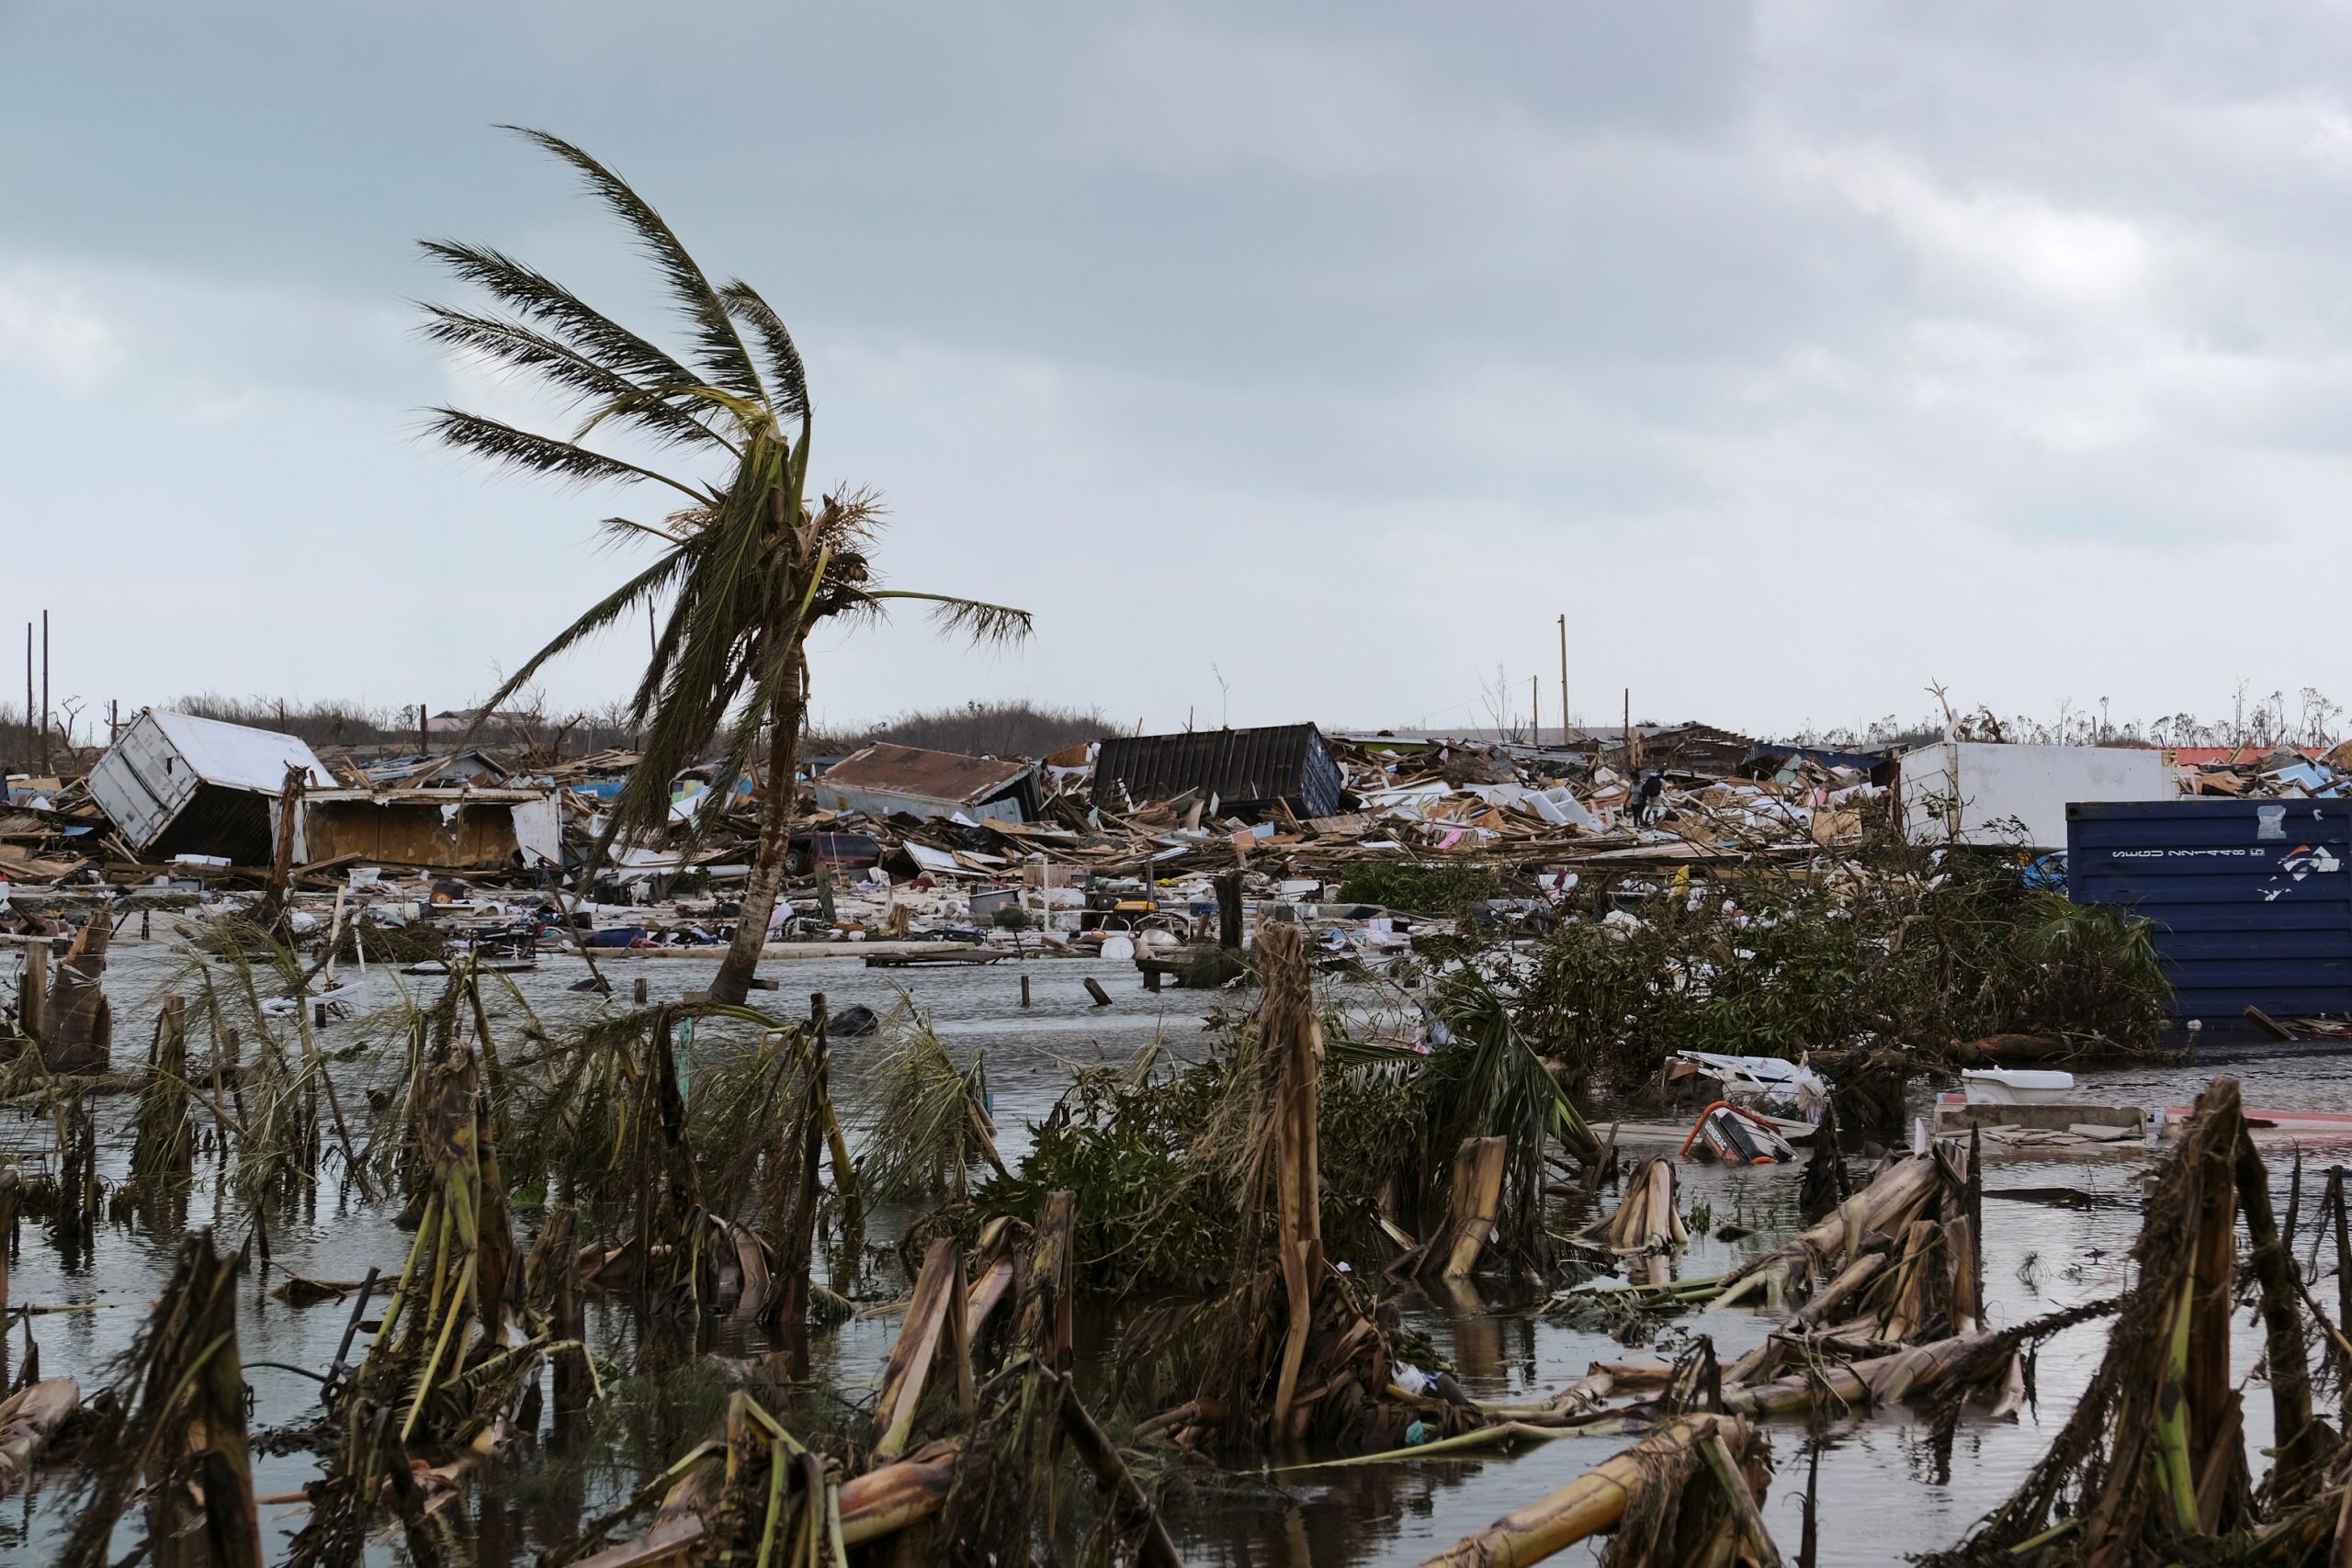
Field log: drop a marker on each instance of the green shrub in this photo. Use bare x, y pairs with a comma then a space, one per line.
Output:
1446, 888
1768, 966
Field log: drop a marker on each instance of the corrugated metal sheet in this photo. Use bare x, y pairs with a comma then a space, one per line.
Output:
2251, 899
1247, 769
883, 778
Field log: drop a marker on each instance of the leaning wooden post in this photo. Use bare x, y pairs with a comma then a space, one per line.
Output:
1291, 1031
2212, 1419
10, 1182
32, 991
281, 861
800, 1238
1228, 910
1129, 1504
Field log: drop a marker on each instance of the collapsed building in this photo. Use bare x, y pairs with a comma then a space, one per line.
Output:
1151, 841
884, 779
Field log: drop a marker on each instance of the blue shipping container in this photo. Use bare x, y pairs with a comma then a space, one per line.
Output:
2251, 899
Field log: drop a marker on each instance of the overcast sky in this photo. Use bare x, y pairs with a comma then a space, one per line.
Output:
1800, 352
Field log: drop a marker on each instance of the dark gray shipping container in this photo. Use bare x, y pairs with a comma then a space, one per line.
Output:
2251, 899
1247, 769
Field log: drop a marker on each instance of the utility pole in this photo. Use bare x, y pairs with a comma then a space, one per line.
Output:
1535, 710
424, 735
1563, 680
1633, 758
45, 765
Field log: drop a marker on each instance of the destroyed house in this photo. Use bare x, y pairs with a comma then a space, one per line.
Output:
1687, 748
436, 829
175, 784
1246, 771
451, 769
883, 780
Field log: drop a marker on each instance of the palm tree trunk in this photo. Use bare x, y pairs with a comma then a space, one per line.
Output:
760, 890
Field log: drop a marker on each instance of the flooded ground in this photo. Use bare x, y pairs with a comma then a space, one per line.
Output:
1889, 1485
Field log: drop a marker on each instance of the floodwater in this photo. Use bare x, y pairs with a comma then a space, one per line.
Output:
1889, 1485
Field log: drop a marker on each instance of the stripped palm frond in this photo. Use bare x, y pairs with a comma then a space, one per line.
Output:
654, 412
968, 618
720, 351
927, 1127
178, 1425
787, 374
519, 448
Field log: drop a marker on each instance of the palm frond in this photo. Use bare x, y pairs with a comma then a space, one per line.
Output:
518, 347
721, 351
970, 618
503, 443
1490, 1081
603, 614
785, 370
537, 298
626, 531
723, 633
926, 1129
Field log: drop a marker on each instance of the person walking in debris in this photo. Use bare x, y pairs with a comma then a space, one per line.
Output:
1649, 799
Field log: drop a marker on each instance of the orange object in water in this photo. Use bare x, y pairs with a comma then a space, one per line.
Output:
1721, 1127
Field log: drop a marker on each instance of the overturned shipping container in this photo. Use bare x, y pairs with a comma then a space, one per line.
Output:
176, 784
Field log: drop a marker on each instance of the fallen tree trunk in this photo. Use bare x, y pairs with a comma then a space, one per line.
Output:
1646, 1219
1897, 1194
1879, 1381
878, 1504
1477, 1202
1597, 1500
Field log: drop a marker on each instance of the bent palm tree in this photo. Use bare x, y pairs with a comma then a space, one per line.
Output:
748, 566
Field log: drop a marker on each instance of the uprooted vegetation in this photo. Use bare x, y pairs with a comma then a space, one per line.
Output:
688, 1165
1157, 1154
1437, 888
1762, 965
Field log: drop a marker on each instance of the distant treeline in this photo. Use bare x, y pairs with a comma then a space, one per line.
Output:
998, 728
994, 730
341, 725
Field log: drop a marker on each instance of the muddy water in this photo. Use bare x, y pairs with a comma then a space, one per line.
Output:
1888, 1485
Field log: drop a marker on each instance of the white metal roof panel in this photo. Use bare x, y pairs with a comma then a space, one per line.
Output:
237, 756
155, 766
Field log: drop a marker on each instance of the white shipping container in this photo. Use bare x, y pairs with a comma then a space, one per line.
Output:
1967, 792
